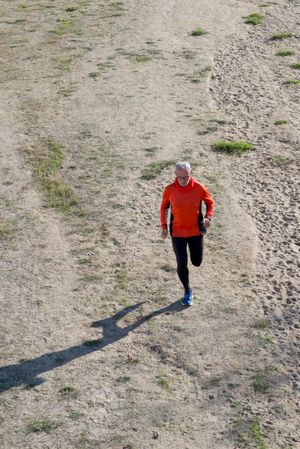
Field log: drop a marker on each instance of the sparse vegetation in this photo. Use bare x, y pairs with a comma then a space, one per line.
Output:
46, 159
254, 19
292, 82
280, 161
64, 26
121, 279
7, 229
163, 382
262, 324
232, 147
71, 8
69, 391
154, 169
151, 151
281, 122
42, 425
142, 58
296, 66
123, 379
263, 380
198, 32
281, 36
168, 268
250, 433
285, 53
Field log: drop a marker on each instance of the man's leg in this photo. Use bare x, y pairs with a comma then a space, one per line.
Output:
196, 249
179, 246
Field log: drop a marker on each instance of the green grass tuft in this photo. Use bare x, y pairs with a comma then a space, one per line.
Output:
71, 8
68, 391
198, 32
292, 82
238, 147
281, 36
262, 324
281, 122
296, 66
163, 382
155, 169
253, 436
43, 425
142, 58
254, 19
285, 53
64, 26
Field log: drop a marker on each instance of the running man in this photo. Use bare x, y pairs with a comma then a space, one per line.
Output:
187, 226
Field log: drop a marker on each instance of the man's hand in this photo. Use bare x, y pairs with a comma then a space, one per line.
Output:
164, 233
206, 223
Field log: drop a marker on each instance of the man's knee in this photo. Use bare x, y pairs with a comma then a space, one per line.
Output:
197, 262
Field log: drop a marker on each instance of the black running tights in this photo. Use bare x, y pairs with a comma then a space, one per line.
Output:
195, 245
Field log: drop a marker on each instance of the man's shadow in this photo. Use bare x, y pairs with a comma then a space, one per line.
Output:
27, 373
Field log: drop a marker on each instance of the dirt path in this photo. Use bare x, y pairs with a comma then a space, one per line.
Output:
95, 350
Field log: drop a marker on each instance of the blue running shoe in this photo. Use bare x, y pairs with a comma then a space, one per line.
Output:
187, 299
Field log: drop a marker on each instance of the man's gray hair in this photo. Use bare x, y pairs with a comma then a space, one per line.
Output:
182, 165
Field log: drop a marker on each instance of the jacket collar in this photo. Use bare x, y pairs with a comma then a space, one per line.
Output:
188, 187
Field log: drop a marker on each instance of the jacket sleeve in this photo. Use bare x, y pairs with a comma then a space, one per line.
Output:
209, 202
165, 204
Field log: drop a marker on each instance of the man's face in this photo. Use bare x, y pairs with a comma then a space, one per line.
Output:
183, 175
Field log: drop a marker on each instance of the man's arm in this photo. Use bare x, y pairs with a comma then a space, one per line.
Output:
210, 204
165, 204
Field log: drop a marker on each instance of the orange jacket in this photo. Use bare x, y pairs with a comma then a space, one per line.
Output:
185, 203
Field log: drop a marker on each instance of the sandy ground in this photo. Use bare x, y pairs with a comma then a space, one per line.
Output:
96, 351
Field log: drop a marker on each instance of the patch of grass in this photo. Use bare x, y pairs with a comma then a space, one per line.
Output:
262, 324
69, 90
292, 82
142, 58
94, 75
198, 32
263, 379
281, 36
285, 53
75, 415
156, 168
252, 435
254, 19
71, 8
123, 379
232, 147
7, 229
168, 268
46, 159
69, 391
151, 150
43, 425
280, 161
164, 382
281, 122
296, 66
59, 195
121, 279
64, 26
269, 339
